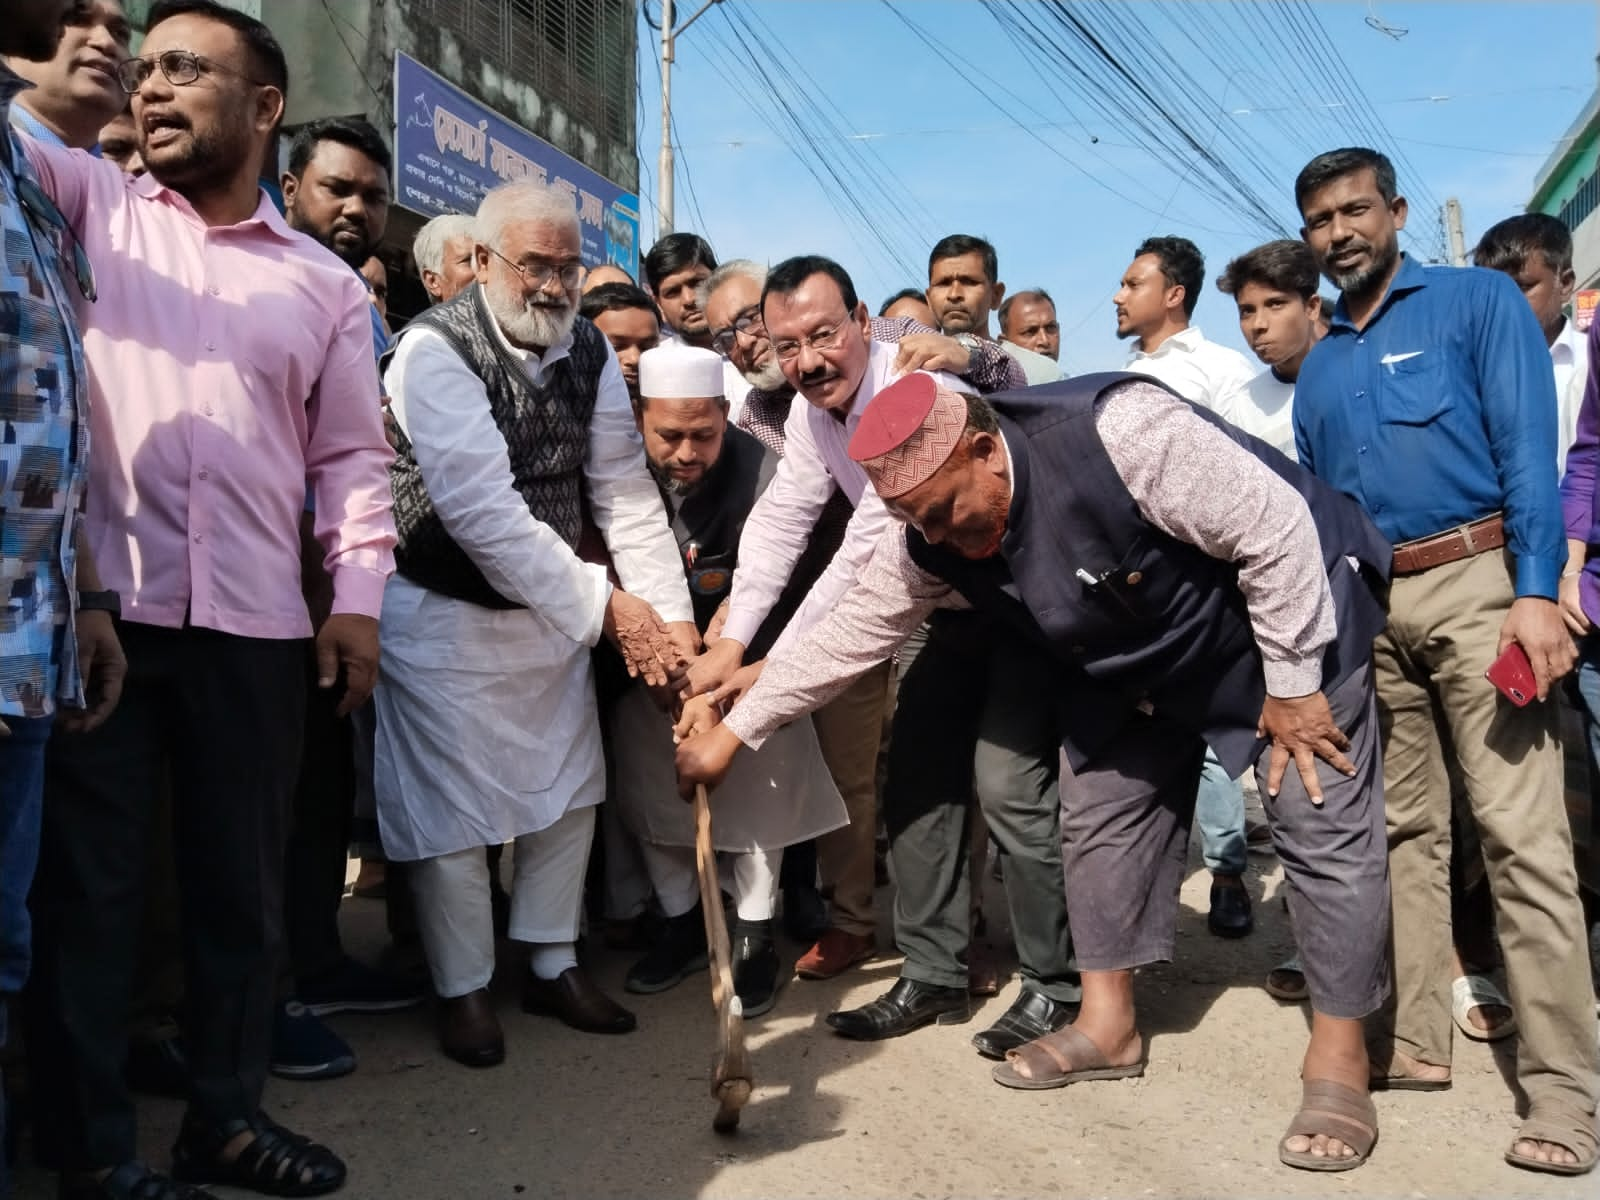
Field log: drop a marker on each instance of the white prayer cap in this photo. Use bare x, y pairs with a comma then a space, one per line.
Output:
674, 371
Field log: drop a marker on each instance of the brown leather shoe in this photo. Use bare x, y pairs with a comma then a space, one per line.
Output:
469, 1032
577, 1001
835, 952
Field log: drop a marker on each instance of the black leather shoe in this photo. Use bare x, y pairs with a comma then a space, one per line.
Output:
130, 1181
755, 967
1230, 915
908, 1005
1031, 1016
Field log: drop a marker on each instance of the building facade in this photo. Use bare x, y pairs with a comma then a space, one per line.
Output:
1568, 187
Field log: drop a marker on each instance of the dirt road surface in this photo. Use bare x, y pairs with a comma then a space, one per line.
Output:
578, 1116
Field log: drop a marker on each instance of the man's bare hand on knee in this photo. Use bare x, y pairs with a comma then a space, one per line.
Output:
1302, 728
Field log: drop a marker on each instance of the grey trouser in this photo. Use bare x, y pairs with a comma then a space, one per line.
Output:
1124, 840
973, 704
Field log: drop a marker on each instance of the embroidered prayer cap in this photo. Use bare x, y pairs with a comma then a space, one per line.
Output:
674, 371
907, 432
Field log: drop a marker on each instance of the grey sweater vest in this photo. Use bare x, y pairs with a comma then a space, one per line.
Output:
546, 428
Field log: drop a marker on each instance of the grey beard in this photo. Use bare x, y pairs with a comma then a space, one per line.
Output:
531, 324
1361, 283
766, 379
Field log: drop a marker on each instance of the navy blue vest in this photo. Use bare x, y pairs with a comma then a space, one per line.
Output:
1157, 621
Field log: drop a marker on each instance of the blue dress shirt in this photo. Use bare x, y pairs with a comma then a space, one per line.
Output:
1441, 411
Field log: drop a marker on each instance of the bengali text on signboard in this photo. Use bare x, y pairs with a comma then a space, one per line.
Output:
450, 149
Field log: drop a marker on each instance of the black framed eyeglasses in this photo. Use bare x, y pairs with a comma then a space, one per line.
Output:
538, 272
42, 211
748, 324
181, 68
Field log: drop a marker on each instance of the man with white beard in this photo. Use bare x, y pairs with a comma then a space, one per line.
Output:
511, 409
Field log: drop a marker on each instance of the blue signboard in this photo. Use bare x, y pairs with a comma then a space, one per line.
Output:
450, 149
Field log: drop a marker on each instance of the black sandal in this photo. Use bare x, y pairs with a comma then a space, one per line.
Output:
130, 1181
276, 1163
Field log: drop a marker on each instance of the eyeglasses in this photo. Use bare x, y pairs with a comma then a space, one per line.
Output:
179, 66
820, 341
537, 272
747, 324
43, 212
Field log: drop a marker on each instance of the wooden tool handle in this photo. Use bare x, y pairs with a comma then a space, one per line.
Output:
731, 1080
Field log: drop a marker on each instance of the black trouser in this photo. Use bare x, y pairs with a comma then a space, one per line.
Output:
226, 715
975, 699
319, 834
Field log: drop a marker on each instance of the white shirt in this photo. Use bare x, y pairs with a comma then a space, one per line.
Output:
444, 409
1264, 407
1195, 368
815, 460
487, 728
1569, 356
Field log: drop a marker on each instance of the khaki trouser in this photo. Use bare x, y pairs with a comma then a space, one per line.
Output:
848, 729
1443, 632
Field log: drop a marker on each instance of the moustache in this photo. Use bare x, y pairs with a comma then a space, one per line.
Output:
819, 375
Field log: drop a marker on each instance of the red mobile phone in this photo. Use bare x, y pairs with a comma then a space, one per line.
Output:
1512, 673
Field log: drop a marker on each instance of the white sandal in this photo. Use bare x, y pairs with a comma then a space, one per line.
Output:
1478, 991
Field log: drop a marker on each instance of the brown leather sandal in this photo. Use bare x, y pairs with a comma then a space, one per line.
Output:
1576, 1134
1059, 1058
1334, 1110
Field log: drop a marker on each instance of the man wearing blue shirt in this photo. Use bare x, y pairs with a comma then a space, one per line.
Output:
1431, 401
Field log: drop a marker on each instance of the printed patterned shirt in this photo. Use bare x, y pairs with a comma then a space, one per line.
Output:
44, 440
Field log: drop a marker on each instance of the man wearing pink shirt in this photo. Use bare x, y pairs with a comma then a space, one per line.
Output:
230, 361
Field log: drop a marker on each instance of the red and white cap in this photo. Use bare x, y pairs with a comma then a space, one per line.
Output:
907, 432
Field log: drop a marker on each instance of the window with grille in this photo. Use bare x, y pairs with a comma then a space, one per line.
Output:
580, 53
1582, 202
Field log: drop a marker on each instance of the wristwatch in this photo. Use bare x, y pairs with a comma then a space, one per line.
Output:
102, 601
973, 343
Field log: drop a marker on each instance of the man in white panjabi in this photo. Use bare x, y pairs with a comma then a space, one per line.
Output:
511, 410
709, 474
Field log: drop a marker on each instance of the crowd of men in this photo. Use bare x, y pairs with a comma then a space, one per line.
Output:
282, 584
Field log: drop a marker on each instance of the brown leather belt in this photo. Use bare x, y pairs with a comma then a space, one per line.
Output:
1464, 541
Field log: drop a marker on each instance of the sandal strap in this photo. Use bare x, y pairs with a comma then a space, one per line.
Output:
1067, 1049
1476, 991
138, 1182
1336, 1110
1575, 1133
276, 1161
280, 1157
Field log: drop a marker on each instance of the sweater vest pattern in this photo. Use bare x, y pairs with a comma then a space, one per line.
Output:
546, 430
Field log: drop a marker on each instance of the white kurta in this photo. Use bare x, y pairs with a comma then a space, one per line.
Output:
771, 798
487, 728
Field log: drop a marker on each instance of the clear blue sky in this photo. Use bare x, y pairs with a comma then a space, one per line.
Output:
1474, 97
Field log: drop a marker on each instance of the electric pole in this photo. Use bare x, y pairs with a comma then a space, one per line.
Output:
664, 167
1452, 227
